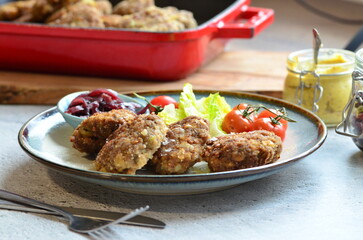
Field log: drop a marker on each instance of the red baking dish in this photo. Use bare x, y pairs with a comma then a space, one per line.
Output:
162, 56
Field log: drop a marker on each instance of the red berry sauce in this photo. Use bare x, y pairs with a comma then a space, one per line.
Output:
99, 100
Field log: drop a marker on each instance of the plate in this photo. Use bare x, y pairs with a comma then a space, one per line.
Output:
45, 137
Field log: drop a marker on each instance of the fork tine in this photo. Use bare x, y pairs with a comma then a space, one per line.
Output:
96, 236
102, 234
122, 219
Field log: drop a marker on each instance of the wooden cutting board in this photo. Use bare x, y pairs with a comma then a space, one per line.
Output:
252, 71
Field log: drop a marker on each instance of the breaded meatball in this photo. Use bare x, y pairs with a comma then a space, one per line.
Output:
182, 147
126, 7
132, 145
42, 9
154, 19
91, 134
242, 150
104, 6
183, 16
112, 20
15, 10
80, 14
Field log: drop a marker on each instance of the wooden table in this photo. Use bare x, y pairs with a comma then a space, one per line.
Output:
252, 71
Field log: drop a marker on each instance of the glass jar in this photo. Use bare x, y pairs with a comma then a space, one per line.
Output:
323, 89
352, 115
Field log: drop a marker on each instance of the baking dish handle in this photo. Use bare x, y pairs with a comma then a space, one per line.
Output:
248, 23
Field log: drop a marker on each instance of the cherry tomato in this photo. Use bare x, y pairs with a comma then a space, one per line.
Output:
267, 124
234, 121
273, 113
250, 110
162, 101
241, 106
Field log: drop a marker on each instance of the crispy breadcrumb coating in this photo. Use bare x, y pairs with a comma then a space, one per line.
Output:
12, 11
80, 14
242, 150
126, 7
153, 19
132, 145
91, 134
182, 147
42, 9
129, 14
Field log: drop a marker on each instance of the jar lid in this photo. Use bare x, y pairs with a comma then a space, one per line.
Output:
331, 61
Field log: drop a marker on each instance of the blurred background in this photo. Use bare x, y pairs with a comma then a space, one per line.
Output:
336, 20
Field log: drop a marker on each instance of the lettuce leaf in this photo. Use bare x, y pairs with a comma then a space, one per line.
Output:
214, 108
170, 114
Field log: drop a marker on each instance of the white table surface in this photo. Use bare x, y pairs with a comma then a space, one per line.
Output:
319, 197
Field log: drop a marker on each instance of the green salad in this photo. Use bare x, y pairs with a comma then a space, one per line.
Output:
213, 108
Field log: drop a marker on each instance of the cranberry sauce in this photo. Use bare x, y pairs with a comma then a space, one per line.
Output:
99, 100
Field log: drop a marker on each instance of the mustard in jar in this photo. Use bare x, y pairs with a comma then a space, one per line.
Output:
325, 88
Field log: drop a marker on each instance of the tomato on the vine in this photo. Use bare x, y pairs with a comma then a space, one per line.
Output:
235, 121
276, 114
162, 101
244, 118
269, 125
248, 110
241, 106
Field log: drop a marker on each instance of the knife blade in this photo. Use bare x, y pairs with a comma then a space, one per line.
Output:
90, 213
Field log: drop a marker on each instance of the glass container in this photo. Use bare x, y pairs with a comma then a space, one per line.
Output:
352, 115
323, 89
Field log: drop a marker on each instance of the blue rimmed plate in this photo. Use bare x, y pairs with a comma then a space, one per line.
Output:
45, 137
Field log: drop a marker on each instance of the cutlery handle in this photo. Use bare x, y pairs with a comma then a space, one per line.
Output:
32, 202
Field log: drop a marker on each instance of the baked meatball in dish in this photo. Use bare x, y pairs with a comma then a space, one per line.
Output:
153, 19
132, 145
80, 14
13, 11
126, 7
128, 14
242, 150
42, 9
183, 146
104, 6
92, 133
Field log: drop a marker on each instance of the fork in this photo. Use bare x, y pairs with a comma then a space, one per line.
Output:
76, 224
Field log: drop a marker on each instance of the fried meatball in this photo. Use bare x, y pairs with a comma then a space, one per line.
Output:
112, 20
91, 134
14, 10
42, 9
132, 6
80, 14
132, 145
104, 6
242, 150
183, 16
182, 147
154, 19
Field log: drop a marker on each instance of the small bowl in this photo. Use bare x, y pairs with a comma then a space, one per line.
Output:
74, 121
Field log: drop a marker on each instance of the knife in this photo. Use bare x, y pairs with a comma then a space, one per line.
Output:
90, 213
